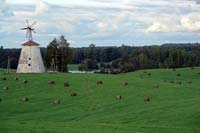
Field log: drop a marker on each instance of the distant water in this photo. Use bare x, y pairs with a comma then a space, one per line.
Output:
81, 72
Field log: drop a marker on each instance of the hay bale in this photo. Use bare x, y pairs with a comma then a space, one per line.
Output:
179, 82
125, 83
51, 82
24, 99
145, 72
190, 82
149, 74
156, 86
147, 99
15, 78
119, 97
99, 82
66, 84
172, 81
5, 88
4, 78
56, 101
25, 81
192, 68
73, 94
178, 75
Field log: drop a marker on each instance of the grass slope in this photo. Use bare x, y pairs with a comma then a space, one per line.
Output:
173, 107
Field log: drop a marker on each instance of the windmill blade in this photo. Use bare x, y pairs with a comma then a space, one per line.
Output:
33, 23
24, 28
27, 22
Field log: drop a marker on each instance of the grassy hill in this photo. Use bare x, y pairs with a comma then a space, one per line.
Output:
173, 108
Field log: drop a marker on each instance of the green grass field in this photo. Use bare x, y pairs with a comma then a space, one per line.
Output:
173, 108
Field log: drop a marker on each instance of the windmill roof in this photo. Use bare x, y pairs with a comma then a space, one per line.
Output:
30, 43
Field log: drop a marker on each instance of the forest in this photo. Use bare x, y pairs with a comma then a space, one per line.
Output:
112, 59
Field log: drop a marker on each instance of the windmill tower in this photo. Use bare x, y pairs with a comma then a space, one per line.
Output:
30, 60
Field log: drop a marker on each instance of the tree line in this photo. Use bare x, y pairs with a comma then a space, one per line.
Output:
111, 59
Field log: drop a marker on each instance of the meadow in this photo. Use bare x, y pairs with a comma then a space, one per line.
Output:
173, 107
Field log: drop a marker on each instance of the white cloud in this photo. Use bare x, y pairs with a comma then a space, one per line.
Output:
41, 7
191, 22
92, 20
157, 27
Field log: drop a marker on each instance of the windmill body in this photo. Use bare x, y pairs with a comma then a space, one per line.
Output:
30, 60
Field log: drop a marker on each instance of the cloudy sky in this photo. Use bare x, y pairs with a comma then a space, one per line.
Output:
102, 22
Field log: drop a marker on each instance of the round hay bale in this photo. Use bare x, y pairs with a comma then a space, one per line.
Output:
118, 97
178, 75
4, 78
156, 86
179, 82
56, 101
147, 99
24, 99
73, 94
25, 81
125, 83
66, 84
192, 68
5, 88
149, 74
99, 82
51, 82
172, 81
145, 72
15, 78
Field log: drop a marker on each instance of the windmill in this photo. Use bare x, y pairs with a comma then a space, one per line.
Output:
29, 30
30, 58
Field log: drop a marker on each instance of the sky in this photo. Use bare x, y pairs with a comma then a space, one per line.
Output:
101, 22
